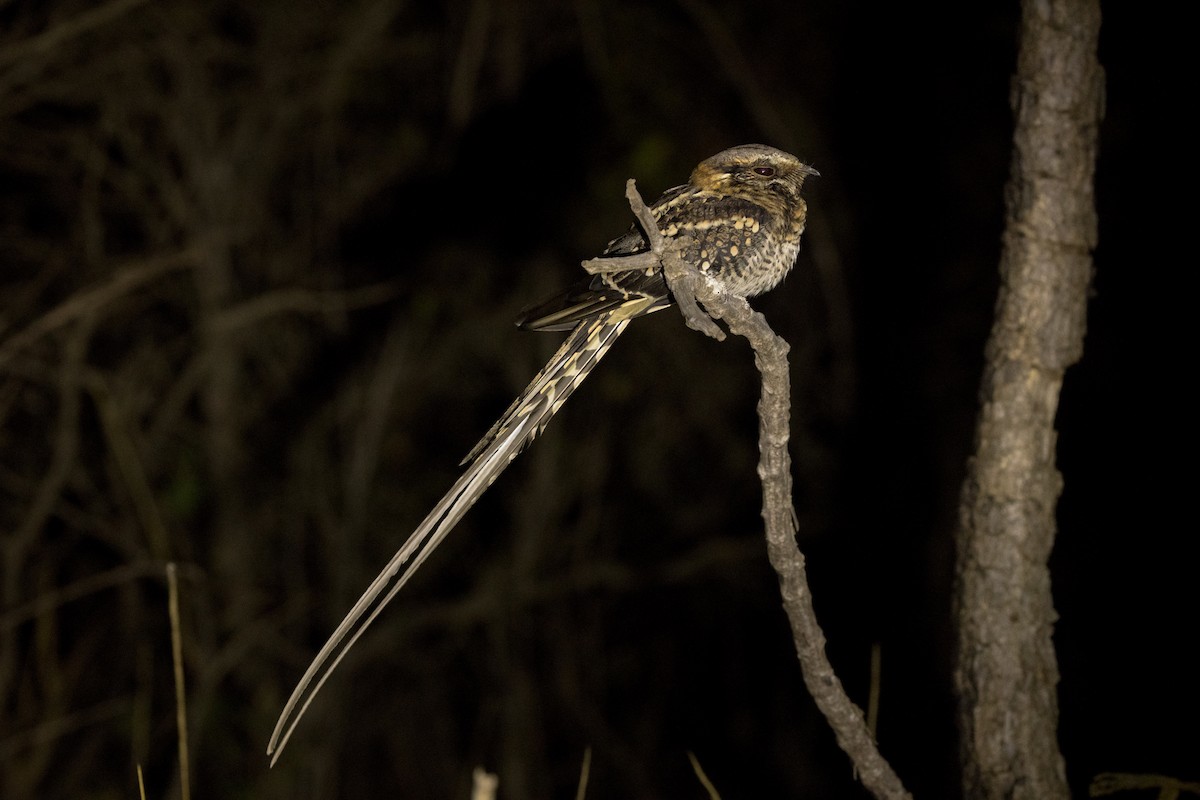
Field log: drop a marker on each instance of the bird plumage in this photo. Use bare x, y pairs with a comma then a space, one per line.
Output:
742, 215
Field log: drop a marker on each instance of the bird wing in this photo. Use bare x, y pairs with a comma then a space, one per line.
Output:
621, 293
601, 294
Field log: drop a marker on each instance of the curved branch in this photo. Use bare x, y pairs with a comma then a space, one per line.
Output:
774, 470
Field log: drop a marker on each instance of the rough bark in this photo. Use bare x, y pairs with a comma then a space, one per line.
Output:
1006, 674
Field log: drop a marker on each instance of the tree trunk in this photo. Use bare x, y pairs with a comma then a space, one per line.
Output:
1006, 674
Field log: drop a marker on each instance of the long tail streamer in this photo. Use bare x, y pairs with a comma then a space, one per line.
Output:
525, 419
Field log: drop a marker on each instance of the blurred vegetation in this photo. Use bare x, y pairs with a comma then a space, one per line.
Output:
258, 269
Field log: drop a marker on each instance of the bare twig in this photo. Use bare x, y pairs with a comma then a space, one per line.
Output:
19, 543
129, 464
873, 697
585, 770
464, 78
55, 38
180, 693
1112, 782
713, 794
74, 591
52, 729
728, 49
125, 280
774, 470
306, 301
688, 285
638, 261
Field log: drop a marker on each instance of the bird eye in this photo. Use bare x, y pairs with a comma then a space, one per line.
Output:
766, 172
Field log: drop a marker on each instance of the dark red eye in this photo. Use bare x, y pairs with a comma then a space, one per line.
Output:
766, 172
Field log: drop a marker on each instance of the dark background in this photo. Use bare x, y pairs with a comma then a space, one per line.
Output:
337, 210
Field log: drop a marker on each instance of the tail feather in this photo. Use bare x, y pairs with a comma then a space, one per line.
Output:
565, 370
523, 422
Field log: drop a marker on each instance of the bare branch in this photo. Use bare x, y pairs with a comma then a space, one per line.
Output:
774, 470
185, 782
84, 587
58, 727
124, 281
55, 38
308, 301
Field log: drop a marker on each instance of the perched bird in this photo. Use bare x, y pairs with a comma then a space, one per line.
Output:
738, 220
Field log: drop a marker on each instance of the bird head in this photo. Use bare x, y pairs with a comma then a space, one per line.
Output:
755, 171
